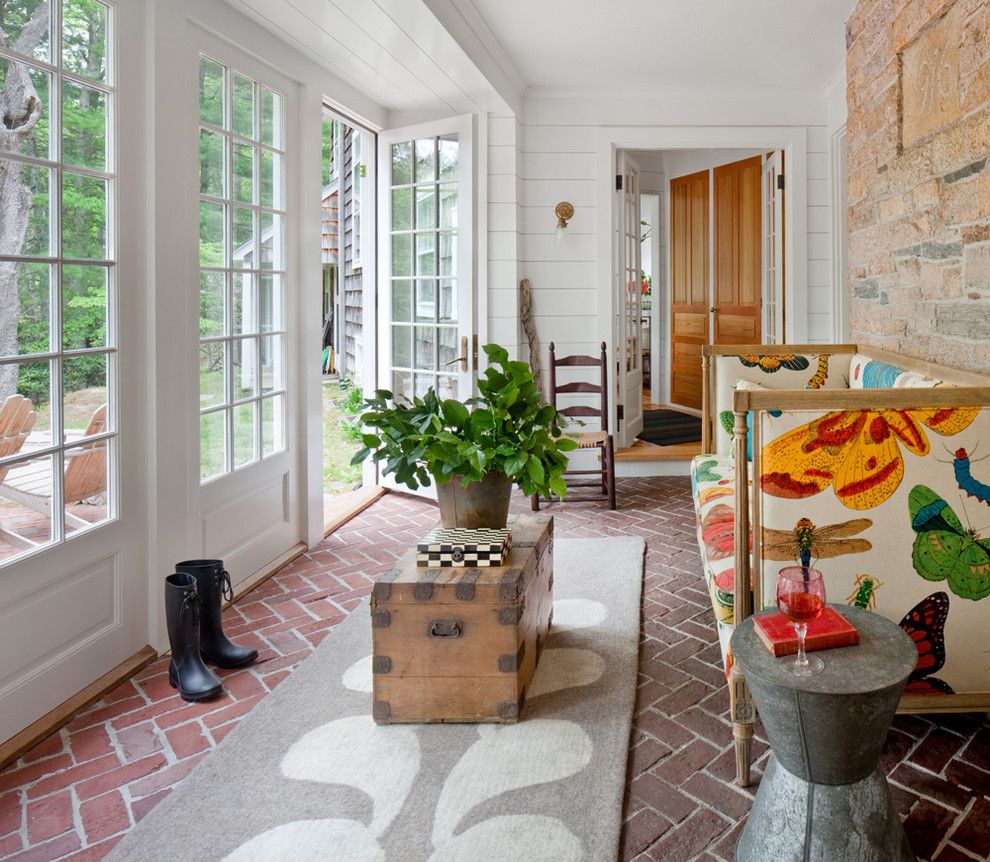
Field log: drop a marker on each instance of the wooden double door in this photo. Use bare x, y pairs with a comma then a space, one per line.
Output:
715, 281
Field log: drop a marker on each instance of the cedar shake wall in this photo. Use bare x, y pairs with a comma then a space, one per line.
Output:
918, 127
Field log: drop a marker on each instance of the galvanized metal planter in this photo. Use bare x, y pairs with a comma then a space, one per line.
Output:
480, 504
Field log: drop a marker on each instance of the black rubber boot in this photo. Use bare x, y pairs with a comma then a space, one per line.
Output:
213, 583
194, 680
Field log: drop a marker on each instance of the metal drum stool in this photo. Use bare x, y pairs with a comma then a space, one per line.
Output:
824, 796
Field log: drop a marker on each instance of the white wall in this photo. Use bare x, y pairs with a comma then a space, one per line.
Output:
559, 139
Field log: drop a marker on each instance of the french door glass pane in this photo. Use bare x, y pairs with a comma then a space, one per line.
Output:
424, 242
212, 444
58, 123
212, 299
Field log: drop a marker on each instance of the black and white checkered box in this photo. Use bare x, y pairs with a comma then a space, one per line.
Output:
458, 546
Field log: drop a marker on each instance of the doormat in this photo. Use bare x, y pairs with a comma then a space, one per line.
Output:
308, 775
667, 427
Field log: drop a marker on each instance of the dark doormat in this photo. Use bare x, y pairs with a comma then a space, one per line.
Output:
668, 427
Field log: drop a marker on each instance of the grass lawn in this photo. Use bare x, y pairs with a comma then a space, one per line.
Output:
338, 474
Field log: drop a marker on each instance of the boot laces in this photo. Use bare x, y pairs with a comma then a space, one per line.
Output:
190, 602
226, 590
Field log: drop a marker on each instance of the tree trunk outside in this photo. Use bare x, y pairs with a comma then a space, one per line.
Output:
20, 110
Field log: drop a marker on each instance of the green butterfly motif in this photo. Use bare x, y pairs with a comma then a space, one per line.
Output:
946, 550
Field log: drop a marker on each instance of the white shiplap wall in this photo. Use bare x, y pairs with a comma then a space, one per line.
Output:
557, 161
504, 231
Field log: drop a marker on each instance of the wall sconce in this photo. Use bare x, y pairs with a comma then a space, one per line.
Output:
564, 212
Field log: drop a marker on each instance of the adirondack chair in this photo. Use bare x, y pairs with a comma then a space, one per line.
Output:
17, 418
85, 477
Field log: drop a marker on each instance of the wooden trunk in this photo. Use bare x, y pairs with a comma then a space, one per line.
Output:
461, 644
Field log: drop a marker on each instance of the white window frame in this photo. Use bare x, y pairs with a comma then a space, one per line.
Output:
56, 451
277, 333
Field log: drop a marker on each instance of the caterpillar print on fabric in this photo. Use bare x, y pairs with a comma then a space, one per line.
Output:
821, 375
962, 465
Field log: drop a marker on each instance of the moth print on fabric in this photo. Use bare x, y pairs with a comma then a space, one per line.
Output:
855, 452
771, 364
718, 531
806, 541
925, 625
945, 550
820, 376
722, 590
864, 594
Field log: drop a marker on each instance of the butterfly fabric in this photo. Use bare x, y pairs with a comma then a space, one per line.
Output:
925, 625
772, 363
855, 452
945, 550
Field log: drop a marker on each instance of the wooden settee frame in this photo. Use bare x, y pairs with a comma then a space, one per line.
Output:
968, 390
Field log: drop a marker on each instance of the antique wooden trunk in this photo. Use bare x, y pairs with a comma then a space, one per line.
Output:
461, 644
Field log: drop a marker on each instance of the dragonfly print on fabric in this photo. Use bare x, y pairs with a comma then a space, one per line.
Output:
772, 363
945, 550
925, 625
864, 594
855, 452
806, 541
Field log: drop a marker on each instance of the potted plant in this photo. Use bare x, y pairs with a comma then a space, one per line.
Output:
474, 450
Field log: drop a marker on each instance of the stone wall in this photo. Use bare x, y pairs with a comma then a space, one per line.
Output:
918, 75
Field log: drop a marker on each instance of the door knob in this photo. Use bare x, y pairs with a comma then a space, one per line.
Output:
713, 310
463, 358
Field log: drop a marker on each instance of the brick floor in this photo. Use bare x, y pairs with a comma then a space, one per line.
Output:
76, 793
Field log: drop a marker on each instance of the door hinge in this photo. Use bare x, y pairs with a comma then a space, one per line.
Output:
620, 412
780, 181
618, 182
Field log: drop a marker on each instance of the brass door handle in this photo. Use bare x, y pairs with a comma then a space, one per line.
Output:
463, 358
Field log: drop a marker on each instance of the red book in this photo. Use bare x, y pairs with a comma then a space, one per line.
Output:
829, 631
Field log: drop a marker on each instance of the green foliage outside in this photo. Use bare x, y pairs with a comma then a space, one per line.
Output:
342, 407
508, 429
84, 205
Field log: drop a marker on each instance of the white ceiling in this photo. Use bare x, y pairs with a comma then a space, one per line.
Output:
579, 46
394, 51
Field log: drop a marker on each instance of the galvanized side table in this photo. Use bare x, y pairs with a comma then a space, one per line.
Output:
824, 796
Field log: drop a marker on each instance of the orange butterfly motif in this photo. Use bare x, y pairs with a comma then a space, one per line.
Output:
856, 452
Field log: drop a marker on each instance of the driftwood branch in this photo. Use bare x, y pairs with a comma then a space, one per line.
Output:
529, 327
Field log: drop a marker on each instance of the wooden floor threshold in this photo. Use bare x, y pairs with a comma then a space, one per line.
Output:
351, 504
643, 451
66, 711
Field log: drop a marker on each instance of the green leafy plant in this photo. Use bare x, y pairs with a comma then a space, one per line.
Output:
507, 429
351, 407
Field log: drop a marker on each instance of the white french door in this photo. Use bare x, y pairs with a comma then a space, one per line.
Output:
245, 393
773, 248
426, 302
629, 347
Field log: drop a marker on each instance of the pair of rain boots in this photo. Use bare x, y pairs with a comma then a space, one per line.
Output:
193, 598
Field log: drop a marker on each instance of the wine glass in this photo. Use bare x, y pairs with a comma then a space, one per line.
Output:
801, 598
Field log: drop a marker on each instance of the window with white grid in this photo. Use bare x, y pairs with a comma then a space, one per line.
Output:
57, 272
242, 270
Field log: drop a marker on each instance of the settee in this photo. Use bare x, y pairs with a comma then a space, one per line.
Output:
869, 465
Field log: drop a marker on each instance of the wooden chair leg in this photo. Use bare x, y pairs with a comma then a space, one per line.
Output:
534, 502
610, 469
743, 715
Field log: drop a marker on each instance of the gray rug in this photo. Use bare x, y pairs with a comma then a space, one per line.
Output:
308, 776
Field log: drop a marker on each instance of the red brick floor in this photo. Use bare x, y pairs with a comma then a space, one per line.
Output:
76, 793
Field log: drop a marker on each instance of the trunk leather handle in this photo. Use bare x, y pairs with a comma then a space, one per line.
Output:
445, 629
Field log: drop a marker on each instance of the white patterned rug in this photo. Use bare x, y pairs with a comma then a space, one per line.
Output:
309, 776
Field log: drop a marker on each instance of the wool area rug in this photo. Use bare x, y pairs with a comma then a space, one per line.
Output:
668, 427
308, 776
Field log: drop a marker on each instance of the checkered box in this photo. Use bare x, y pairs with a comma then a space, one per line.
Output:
458, 546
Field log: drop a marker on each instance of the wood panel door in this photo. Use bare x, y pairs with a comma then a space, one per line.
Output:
688, 286
738, 259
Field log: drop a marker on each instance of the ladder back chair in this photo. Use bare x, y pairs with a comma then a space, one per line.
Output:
600, 439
